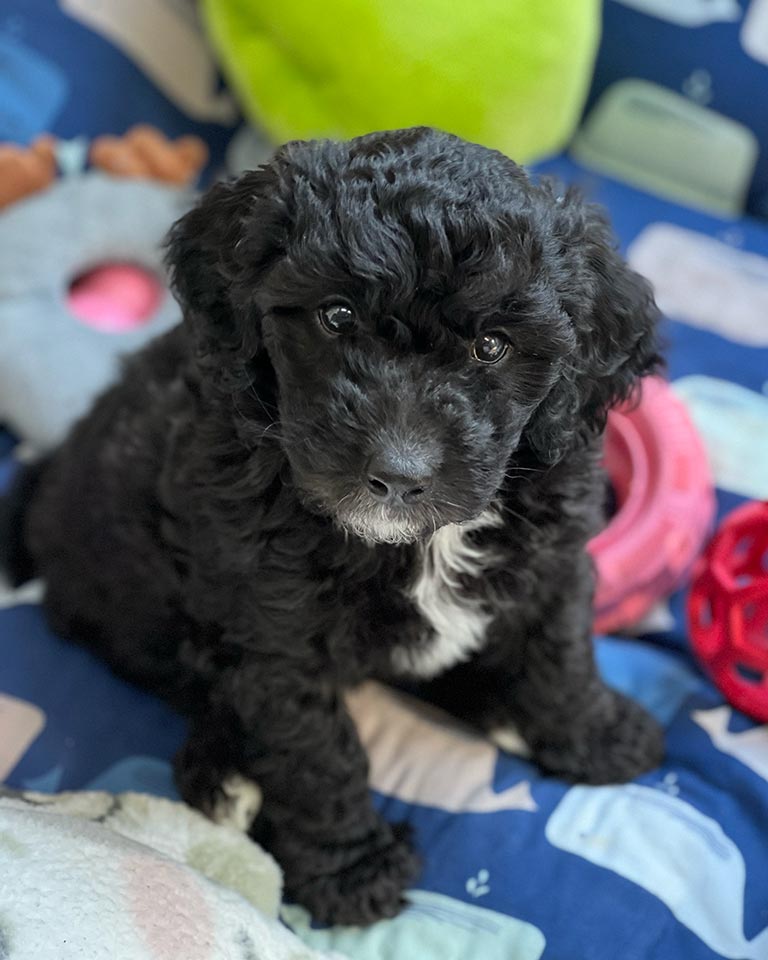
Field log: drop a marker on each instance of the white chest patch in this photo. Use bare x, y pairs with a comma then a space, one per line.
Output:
459, 622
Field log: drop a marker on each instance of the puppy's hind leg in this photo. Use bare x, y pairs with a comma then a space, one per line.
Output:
138, 646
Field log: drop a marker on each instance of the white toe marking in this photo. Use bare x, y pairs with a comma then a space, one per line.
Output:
31, 592
240, 804
509, 740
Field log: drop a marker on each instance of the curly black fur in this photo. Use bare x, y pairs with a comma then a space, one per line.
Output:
210, 530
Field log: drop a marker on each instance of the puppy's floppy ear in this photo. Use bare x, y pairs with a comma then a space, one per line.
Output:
615, 323
216, 254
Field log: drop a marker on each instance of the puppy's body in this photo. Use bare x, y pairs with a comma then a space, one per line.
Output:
371, 451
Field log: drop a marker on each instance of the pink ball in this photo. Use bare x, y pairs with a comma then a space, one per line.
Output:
115, 297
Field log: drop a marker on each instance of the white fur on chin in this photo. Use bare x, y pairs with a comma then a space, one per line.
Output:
374, 525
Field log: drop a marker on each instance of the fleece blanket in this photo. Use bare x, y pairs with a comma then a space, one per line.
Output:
91, 875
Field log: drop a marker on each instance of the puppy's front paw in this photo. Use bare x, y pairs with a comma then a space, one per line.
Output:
613, 745
358, 893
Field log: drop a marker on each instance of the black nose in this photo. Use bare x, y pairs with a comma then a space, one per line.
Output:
392, 477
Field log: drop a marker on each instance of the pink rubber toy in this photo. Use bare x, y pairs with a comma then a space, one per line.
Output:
728, 609
661, 479
115, 297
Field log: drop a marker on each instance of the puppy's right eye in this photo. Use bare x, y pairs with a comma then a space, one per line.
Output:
337, 319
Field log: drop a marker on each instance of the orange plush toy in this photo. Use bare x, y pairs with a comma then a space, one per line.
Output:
25, 170
145, 152
142, 152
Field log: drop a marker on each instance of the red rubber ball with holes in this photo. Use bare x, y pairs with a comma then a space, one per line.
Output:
728, 609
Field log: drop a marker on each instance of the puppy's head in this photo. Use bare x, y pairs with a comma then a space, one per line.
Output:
418, 311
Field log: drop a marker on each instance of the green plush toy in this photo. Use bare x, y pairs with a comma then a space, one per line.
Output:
510, 74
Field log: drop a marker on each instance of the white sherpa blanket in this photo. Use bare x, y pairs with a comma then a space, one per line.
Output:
91, 876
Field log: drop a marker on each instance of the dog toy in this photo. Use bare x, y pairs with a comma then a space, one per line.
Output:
146, 152
97, 269
115, 297
661, 481
728, 609
25, 170
509, 74
92, 290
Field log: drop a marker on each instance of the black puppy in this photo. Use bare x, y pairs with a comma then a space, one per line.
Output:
371, 450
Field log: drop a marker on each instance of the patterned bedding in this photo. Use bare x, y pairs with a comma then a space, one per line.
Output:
518, 864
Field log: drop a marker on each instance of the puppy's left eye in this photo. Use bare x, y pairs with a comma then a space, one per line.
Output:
337, 319
489, 348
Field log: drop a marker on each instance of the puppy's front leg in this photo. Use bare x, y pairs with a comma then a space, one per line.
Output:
292, 735
538, 675
574, 724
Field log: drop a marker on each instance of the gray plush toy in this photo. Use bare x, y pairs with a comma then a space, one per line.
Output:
68, 250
